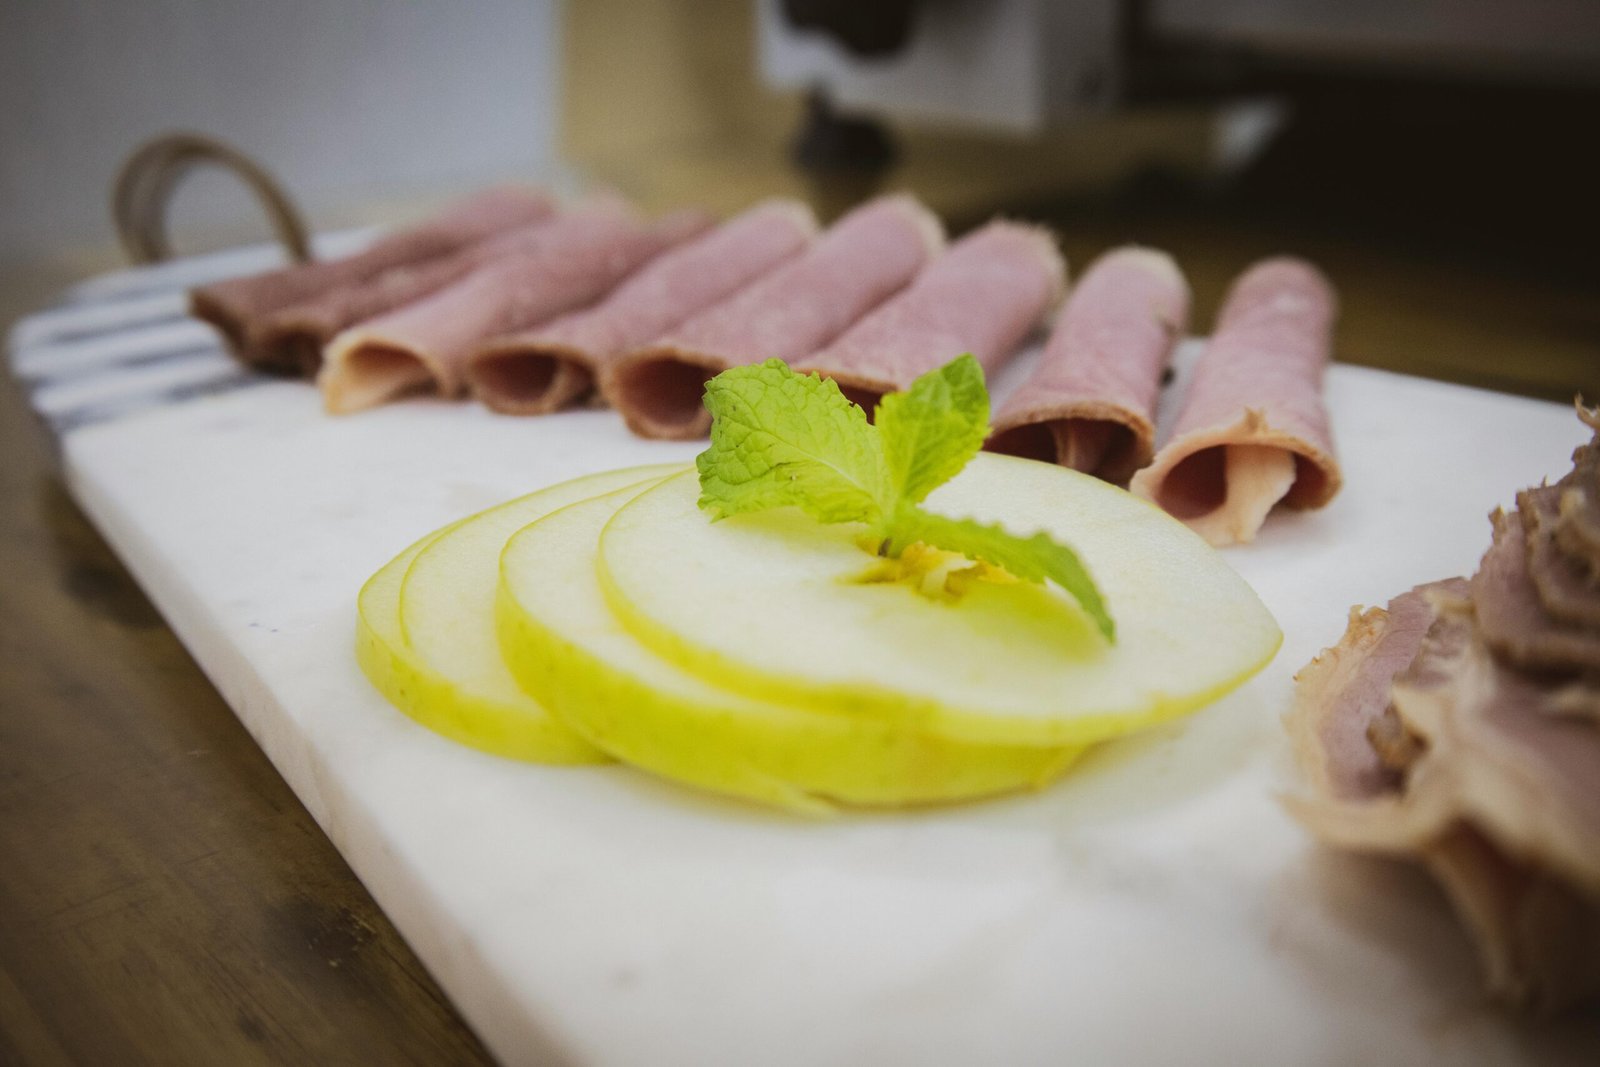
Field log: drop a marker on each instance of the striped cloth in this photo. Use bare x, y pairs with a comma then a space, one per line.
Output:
123, 343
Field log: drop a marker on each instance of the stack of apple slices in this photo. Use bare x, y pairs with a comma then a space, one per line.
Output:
771, 657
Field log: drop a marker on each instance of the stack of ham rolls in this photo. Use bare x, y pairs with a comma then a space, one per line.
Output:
1461, 727
531, 309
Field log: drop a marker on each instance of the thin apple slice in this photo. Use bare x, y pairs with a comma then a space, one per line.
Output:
564, 645
786, 609
425, 635
381, 648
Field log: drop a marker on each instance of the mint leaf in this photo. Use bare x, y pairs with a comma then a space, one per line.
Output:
781, 439
933, 429
1032, 559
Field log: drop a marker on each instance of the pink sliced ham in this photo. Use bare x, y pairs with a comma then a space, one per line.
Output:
1091, 403
862, 260
1253, 430
297, 334
424, 345
984, 295
237, 306
544, 369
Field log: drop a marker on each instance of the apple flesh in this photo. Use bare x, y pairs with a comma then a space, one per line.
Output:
568, 649
425, 635
785, 609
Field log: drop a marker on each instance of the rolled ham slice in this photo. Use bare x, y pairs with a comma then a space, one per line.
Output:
1253, 430
546, 368
298, 333
237, 306
984, 295
424, 346
863, 259
1091, 403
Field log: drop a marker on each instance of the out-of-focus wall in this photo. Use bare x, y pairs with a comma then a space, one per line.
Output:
664, 99
345, 100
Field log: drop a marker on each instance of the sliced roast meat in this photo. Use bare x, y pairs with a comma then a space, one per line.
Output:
1253, 430
236, 307
862, 260
1091, 403
424, 345
1567, 590
1580, 699
1484, 763
1501, 801
984, 295
1513, 619
1341, 696
1578, 527
1538, 939
546, 368
1523, 776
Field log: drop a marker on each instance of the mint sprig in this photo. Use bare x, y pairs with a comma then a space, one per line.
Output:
781, 439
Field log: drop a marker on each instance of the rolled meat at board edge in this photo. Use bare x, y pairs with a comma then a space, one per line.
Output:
1090, 404
423, 346
297, 334
863, 259
235, 306
545, 369
983, 296
1253, 430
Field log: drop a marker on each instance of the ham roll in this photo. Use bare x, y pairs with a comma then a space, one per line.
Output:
236, 307
423, 346
1091, 403
1253, 429
546, 368
297, 334
862, 260
984, 296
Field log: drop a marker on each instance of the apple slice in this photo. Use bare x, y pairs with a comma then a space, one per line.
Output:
425, 636
564, 645
784, 608
381, 645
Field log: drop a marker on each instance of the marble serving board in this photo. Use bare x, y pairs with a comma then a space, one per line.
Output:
1157, 906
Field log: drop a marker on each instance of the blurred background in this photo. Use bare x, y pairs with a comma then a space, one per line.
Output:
1432, 155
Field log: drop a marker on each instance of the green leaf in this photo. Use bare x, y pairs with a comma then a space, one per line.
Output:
781, 439
934, 428
1032, 559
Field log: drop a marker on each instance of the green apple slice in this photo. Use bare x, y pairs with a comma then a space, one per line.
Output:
381, 647
787, 609
425, 635
564, 645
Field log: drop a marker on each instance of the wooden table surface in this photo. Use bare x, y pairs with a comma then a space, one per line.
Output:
164, 898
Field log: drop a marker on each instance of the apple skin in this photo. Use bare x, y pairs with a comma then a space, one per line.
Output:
781, 608
564, 646
466, 699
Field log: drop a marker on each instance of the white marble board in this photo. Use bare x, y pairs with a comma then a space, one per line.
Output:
1157, 906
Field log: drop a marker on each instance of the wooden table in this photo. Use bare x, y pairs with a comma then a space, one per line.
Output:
164, 898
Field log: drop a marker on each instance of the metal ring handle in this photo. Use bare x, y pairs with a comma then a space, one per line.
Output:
145, 184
